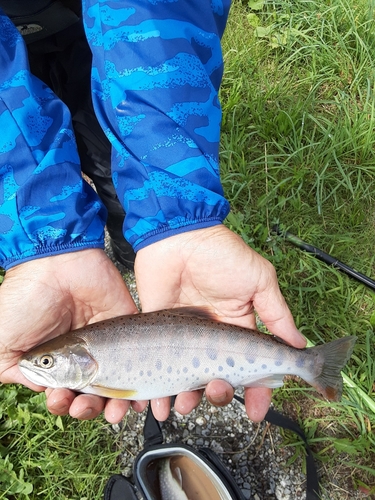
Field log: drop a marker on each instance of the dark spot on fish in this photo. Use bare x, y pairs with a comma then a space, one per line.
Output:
300, 362
158, 364
241, 368
250, 359
178, 372
278, 362
128, 365
230, 362
211, 353
185, 370
169, 369
220, 368
149, 373
196, 363
206, 370
264, 367
141, 373
227, 375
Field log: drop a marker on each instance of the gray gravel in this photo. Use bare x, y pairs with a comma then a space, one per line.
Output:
251, 452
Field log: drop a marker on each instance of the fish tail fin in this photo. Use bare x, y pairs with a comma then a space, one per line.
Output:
335, 356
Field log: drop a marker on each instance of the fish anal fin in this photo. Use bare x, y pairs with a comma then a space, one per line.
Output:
109, 392
272, 381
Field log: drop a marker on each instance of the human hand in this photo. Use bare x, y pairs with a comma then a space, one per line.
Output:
213, 267
47, 297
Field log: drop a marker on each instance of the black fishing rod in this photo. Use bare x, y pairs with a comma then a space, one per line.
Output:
325, 257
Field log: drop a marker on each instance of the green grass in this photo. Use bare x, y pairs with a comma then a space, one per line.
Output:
49, 457
298, 149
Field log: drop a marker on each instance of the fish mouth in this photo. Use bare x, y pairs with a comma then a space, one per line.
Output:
33, 376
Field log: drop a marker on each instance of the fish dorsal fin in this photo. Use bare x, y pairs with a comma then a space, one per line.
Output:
204, 312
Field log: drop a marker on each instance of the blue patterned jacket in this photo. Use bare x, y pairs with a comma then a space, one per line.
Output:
157, 67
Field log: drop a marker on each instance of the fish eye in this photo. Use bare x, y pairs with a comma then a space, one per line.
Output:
46, 361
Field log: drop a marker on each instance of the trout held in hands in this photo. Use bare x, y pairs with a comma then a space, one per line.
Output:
163, 353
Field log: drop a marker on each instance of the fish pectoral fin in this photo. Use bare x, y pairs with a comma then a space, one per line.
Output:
272, 381
178, 476
109, 392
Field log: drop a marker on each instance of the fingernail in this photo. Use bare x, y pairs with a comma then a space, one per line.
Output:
58, 405
219, 398
112, 418
86, 415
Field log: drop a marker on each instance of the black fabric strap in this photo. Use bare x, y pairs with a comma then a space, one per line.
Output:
151, 430
153, 435
276, 418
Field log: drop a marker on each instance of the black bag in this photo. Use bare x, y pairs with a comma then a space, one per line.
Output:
41, 18
203, 475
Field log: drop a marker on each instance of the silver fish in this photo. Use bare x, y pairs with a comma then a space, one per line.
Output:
162, 353
170, 487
